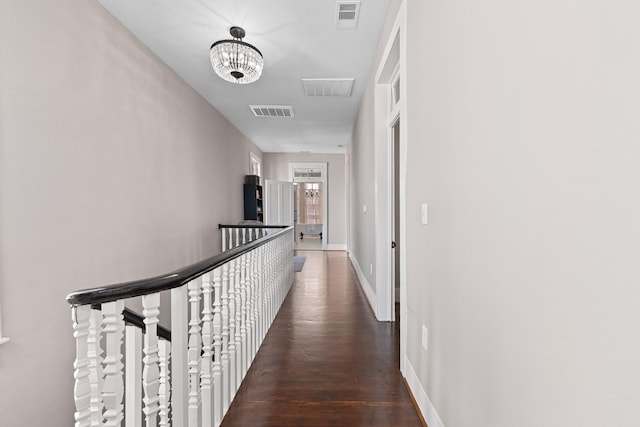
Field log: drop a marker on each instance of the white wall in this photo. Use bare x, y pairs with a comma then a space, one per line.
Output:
276, 166
523, 138
111, 169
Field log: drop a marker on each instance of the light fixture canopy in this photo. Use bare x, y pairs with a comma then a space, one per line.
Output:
236, 61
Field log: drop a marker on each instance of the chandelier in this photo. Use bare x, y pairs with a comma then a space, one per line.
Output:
236, 61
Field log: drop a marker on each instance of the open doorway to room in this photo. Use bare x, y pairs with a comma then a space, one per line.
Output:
310, 204
308, 212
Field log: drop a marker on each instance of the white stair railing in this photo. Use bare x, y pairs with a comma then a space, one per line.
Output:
237, 235
131, 372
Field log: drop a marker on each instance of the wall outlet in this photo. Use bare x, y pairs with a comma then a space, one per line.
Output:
425, 337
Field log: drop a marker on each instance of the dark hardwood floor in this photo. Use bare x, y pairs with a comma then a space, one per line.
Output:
326, 361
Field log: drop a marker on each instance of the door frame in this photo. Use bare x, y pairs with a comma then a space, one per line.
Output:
325, 193
386, 114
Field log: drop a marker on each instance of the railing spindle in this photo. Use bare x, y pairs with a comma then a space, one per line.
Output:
195, 346
95, 367
217, 348
82, 387
133, 376
207, 347
164, 391
113, 389
151, 371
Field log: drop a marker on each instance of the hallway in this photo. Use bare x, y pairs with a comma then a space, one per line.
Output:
326, 361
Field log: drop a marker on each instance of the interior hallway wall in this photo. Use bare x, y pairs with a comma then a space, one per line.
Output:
111, 168
524, 140
276, 166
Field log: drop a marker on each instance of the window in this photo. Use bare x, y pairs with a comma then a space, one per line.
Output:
256, 164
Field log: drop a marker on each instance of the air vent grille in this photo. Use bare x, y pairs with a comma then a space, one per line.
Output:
328, 87
348, 13
279, 111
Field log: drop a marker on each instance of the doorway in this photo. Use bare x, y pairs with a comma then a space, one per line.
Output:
308, 221
310, 205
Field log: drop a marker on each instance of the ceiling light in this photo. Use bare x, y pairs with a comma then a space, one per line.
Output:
236, 61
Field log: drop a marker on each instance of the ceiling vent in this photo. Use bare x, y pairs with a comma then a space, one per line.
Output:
348, 13
281, 111
328, 87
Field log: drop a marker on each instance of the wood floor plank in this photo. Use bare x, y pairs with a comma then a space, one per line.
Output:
326, 361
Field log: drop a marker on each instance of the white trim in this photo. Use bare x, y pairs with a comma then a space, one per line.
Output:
364, 283
3, 339
336, 247
422, 398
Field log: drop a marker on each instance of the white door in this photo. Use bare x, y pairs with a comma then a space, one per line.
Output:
278, 198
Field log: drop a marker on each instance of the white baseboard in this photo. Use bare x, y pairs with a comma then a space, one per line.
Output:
336, 247
422, 399
366, 287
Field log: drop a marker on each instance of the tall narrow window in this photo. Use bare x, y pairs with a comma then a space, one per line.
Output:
256, 164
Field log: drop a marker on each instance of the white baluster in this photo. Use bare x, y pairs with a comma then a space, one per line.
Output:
217, 348
164, 391
237, 237
232, 328
243, 315
224, 359
95, 367
238, 321
224, 239
195, 346
179, 359
151, 371
244, 236
82, 387
113, 389
207, 347
133, 377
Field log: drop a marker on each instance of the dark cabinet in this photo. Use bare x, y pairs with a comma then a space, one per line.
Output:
253, 202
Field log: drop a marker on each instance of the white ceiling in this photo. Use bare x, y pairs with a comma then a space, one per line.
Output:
299, 39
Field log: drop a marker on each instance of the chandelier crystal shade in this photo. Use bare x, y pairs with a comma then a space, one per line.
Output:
236, 61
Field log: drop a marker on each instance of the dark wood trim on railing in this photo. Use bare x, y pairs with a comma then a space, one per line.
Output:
251, 226
167, 281
135, 319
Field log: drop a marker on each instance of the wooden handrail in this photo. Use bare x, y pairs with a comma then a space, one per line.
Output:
251, 226
167, 281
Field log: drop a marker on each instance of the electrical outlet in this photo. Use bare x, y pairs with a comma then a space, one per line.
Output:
425, 337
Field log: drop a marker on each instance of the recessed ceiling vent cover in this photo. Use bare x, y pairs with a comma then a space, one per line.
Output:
348, 13
327, 87
280, 111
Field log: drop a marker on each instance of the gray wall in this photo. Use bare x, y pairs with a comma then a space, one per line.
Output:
276, 166
524, 139
522, 127
111, 169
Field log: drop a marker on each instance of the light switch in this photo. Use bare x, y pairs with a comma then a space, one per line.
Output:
364, 208
424, 213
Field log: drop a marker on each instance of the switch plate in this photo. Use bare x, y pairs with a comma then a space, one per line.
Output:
424, 216
364, 208
425, 337
371, 269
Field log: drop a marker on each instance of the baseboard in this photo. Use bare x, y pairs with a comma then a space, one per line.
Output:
364, 283
422, 399
336, 247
